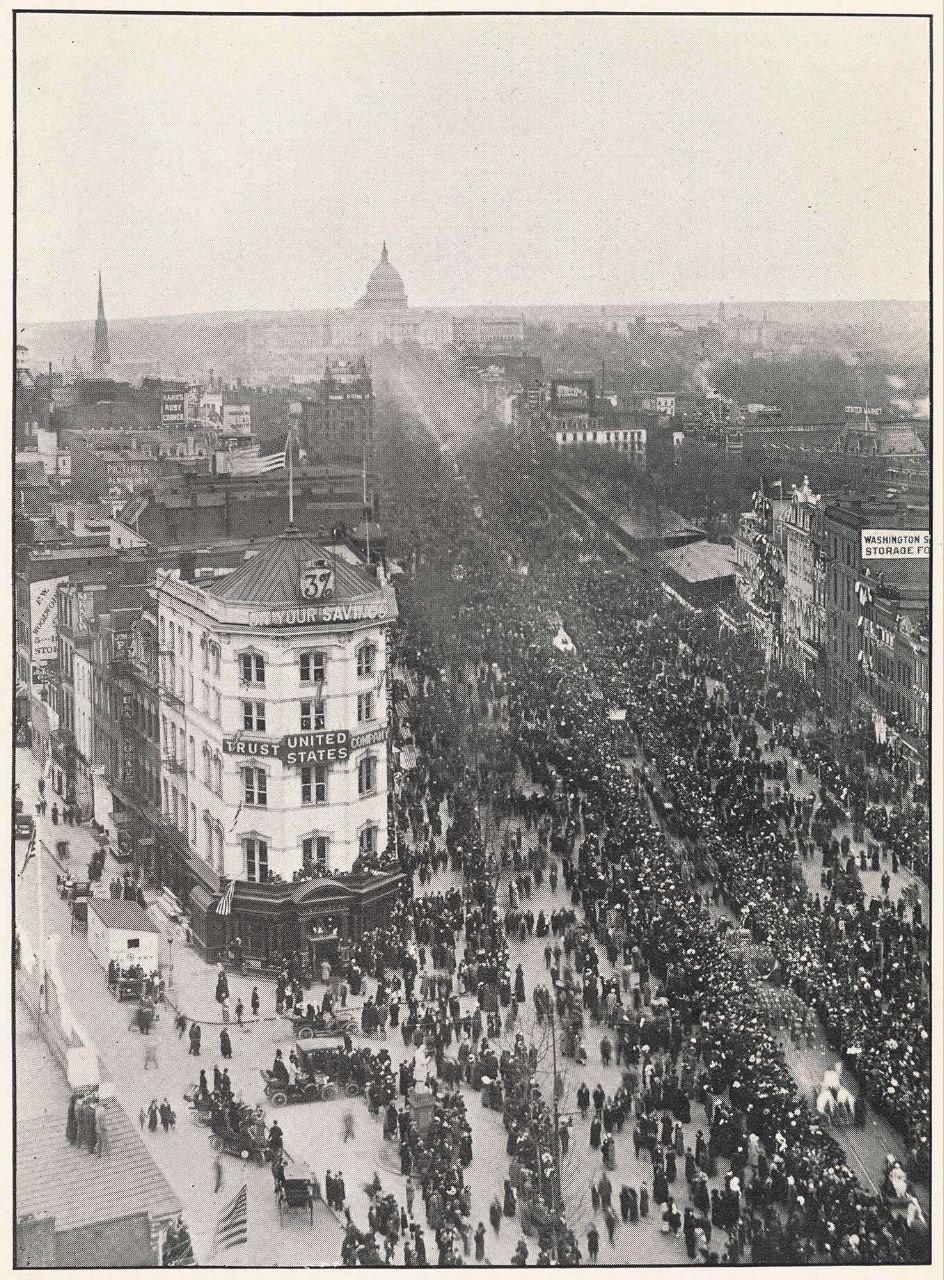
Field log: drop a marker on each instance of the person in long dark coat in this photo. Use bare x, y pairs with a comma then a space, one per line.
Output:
195, 1036
152, 1116
510, 1205
660, 1187
633, 1205
72, 1128
226, 1047
624, 1202
596, 1129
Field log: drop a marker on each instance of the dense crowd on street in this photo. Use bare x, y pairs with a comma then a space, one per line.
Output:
499, 704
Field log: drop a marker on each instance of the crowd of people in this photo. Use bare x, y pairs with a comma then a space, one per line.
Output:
500, 707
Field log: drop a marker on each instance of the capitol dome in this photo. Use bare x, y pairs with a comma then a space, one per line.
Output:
385, 291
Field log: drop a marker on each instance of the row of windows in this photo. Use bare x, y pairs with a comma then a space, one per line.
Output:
311, 713
635, 438
172, 640
314, 783
315, 851
311, 665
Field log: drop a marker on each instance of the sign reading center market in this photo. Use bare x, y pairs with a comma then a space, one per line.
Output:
896, 544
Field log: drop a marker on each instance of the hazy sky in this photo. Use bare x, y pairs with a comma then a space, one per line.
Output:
257, 163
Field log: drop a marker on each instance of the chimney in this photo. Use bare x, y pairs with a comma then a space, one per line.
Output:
187, 563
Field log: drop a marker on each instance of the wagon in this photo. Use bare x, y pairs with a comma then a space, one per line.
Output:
296, 1191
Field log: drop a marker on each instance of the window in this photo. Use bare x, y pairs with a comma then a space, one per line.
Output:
366, 659
312, 715
311, 668
208, 838
218, 832
190, 646
365, 707
192, 756
216, 659
254, 787
204, 645
217, 707
252, 666
367, 775
206, 765
315, 854
193, 824
190, 698
254, 716
368, 840
218, 767
256, 853
204, 697
314, 784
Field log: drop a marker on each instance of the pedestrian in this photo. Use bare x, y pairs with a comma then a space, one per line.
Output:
239, 1012
480, 1242
224, 1008
195, 1036
348, 1123
593, 1242
226, 1047
495, 1214
254, 1002
180, 1023
150, 1055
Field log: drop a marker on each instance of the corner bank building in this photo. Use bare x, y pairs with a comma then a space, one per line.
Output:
274, 747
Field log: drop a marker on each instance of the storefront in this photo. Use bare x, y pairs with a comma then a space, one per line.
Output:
314, 918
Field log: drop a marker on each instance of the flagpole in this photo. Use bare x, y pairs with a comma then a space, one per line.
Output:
291, 481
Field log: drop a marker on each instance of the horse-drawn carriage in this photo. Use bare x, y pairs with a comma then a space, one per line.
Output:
296, 1190
323, 1025
316, 1087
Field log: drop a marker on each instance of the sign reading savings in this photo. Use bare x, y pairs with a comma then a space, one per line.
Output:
896, 544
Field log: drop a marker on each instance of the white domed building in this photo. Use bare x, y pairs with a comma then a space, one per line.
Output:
385, 291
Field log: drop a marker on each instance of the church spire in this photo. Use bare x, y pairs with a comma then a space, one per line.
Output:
101, 355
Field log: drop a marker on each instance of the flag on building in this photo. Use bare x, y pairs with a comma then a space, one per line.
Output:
256, 466
30, 851
232, 1229
225, 904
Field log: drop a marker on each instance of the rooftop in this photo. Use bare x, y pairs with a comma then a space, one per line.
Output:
273, 576
55, 1179
118, 914
699, 561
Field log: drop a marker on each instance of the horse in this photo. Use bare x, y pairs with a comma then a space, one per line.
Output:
825, 1104
844, 1106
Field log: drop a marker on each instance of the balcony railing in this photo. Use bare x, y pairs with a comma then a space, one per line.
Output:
173, 765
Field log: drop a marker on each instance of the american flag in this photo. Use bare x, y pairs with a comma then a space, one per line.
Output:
225, 904
254, 465
232, 1229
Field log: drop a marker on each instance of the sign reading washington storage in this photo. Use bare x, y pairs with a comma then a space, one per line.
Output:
322, 615
896, 544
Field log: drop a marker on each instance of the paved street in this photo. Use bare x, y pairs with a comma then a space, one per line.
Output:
313, 1132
